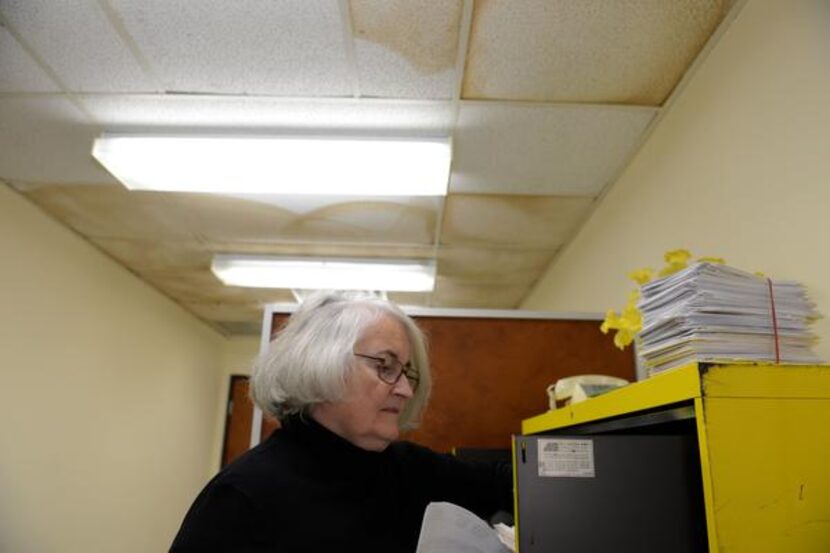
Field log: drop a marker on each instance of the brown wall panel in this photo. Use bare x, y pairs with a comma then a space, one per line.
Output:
490, 374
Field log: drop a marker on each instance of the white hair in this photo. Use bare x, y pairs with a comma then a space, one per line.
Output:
308, 361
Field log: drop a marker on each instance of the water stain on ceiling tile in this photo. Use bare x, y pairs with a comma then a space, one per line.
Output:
207, 217
322, 249
213, 216
111, 211
424, 32
236, 328
159, 256
419, 299
204, 287
470, 294
369, 221
225, 312
592, 51
492, 265
531, 222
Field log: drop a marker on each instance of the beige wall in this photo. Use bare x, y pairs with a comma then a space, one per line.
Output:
739, 168
107, 397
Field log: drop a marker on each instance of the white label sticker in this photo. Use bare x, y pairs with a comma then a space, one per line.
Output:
568, 458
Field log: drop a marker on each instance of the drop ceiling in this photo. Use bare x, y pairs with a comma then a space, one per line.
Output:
546, 101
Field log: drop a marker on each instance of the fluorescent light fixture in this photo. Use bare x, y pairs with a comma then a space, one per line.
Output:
271, 164
258, 271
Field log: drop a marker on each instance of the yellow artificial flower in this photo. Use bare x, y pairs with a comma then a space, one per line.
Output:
641, 276
677, 257
715, 260
623, 338
676, 260
629, 321
670, 269
612, 320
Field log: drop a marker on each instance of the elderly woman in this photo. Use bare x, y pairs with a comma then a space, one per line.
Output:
344, 375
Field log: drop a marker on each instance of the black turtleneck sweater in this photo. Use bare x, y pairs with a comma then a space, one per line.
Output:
306, 489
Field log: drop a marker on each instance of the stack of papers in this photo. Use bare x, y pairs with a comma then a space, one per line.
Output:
710, 312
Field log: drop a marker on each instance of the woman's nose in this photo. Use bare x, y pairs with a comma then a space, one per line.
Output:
403, 387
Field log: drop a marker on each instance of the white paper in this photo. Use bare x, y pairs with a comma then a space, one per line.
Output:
448, 528
712, 312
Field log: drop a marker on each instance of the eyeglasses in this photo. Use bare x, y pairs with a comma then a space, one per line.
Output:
390, 369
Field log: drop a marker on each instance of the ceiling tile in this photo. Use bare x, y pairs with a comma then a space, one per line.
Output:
322, 249
223, 312
112, 212
591, 51
203, 287
235, 113
98, 211
214, 217
159, 256
405, 48
290, 47
541, 148
77, 41
239, 328
527, 222
357, 220
493, 265
46, 139
20, 72
419, 299
451, 292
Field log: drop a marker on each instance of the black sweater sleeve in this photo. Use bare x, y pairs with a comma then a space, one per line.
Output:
481, 487
220, 517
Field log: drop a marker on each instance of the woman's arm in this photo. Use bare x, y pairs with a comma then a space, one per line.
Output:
482, 487
221, 519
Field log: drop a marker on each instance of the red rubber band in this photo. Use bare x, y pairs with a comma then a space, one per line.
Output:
774, 322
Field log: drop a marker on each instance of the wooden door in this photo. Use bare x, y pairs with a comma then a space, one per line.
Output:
239, 419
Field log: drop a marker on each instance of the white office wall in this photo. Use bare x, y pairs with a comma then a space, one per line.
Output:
107, 397
739, 168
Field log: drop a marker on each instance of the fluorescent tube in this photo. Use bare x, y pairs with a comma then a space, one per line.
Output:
277, 164
325, 273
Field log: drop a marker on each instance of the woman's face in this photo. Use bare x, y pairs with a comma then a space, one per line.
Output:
368, 414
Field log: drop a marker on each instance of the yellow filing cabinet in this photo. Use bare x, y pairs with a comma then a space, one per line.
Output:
763, 439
